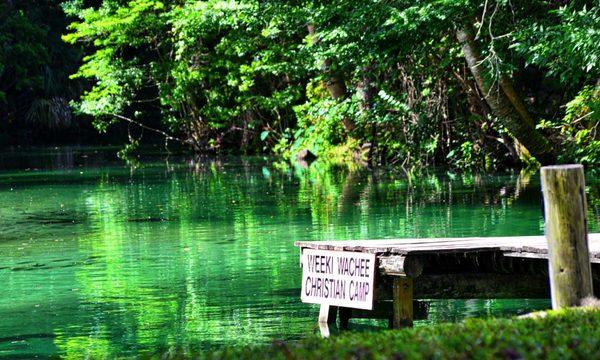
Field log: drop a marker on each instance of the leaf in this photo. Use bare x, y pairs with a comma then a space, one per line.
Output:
263, 135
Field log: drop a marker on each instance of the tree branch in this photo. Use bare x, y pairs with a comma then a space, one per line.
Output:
166, 135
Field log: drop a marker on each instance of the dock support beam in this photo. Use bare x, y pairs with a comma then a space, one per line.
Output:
403, 302
402, 269
566, 231
345, 314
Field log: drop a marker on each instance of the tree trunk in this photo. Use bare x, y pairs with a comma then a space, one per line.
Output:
334, 81
365, 91
514, 118
335, 84
515, 100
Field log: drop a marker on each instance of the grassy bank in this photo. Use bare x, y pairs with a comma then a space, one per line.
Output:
571, 334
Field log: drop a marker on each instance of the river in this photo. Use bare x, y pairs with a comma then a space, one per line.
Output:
173, 255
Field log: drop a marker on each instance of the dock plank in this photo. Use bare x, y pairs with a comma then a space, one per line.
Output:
512, 245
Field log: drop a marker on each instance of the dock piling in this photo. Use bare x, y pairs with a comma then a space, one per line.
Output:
565, 207
403, 301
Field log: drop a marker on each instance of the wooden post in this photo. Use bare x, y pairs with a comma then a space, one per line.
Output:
403, 269
403, 301
566, 231
327, 316
345, 314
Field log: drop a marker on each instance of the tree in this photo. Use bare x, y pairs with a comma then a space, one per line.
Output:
506, 105
34, 66
417, 83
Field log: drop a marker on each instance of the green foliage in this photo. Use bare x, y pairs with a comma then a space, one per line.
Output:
22, 53
579, 128
568, 334
320, 119
385, 78
565, 43
586, 104
466, 156
128, 149
34, 65
124, 37
215, 74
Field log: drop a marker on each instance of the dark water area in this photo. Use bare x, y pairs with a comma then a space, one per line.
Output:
101, 258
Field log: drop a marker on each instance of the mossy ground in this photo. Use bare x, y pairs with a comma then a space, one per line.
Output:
569, 334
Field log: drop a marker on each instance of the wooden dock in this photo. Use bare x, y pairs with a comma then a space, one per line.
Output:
446, 268
511, 246
381, 278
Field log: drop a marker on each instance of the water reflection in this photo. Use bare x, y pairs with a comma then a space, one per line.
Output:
102, 259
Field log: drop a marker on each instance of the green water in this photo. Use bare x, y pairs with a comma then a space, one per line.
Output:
101, 258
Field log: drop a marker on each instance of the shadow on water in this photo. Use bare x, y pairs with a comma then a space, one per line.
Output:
52, 264
25, 337
53, 218
149, 219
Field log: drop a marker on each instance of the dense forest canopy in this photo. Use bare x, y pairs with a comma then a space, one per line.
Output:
469, 84
35, 65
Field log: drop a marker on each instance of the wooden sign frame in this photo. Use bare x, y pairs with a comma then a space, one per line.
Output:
338, 278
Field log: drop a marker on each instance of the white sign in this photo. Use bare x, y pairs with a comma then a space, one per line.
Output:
338, 278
